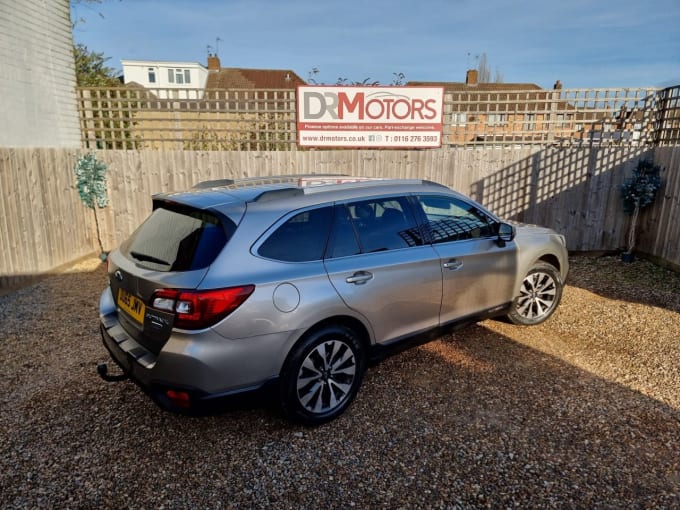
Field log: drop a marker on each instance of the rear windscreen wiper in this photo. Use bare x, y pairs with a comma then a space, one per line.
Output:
148, 258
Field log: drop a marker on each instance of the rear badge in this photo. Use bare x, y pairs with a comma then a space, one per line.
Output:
156, 321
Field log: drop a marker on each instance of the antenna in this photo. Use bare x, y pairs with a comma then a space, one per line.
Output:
217, 46
209, 48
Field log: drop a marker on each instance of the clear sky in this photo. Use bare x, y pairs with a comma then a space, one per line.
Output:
583, 43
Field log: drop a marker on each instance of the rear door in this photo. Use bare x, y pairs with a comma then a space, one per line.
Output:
379, 265
173, 248
478, 273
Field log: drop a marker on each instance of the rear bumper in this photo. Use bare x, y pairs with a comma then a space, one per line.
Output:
137, 363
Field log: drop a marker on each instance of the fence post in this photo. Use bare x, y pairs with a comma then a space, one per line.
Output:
552, 117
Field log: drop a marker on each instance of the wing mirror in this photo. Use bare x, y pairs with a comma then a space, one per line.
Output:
506, 233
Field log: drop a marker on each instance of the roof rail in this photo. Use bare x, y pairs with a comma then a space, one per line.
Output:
255, 181
320, 184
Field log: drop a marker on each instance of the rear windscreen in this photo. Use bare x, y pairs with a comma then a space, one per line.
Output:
178, 239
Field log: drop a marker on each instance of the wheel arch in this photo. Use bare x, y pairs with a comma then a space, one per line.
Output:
551, 259
347, 321
358, 327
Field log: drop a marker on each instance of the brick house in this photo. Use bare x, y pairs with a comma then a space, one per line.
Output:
503, 112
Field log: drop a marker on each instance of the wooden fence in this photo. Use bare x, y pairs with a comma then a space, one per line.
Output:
253, 119
43, 223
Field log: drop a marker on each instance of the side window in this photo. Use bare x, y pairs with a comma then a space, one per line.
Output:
300, 239
450, 219
383, 224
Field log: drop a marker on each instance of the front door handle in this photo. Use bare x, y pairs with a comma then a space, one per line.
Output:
453, 264
359, 278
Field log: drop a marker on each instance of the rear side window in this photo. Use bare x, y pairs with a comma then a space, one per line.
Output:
300, 239
178, 239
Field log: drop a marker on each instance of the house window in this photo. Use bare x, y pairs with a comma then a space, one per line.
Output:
459, 119
497, 119
179, 76
152, 75
530, 122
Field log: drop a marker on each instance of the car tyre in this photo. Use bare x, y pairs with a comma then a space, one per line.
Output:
322, 375
539, 295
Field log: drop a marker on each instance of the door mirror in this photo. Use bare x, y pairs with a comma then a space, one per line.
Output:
506, 233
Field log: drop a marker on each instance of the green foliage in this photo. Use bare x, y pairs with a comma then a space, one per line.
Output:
91, 181
110, 106
366, 82
397, 81
91, 68
640, 189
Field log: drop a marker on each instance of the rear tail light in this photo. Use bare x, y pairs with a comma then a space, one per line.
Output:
200, 309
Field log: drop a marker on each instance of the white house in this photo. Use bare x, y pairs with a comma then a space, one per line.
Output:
174, 80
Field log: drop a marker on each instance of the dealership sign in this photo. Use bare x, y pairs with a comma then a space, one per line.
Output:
369, 116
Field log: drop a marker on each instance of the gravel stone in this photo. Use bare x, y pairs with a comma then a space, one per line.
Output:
582, 411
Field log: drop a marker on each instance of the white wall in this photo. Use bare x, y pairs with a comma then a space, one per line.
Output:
37, 75
138, 71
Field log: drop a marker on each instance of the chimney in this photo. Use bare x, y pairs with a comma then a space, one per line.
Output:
213, 63
558, 85
471, 78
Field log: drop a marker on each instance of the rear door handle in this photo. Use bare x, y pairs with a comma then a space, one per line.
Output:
359, 278
453, 264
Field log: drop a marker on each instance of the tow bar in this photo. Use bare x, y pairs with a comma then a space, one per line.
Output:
103, 371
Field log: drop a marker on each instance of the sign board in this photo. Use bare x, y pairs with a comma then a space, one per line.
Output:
385, 117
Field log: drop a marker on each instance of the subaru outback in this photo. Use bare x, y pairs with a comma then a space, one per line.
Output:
296, 283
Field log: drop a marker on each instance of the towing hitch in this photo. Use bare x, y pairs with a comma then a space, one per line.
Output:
103, 371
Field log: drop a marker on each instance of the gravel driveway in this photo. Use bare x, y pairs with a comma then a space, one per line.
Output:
582, 411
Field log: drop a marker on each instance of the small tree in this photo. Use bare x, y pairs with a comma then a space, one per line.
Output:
91, 183
639, 192
91, 68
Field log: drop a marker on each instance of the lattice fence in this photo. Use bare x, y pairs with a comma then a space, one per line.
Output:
247, 119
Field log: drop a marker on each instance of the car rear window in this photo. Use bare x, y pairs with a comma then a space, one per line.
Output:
178, 239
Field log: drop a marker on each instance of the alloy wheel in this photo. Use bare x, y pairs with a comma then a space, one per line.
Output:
326, 376
538, 296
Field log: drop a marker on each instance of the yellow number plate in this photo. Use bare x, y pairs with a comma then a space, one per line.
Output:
131, 305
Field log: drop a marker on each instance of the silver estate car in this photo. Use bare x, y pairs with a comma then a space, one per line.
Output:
295, 283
